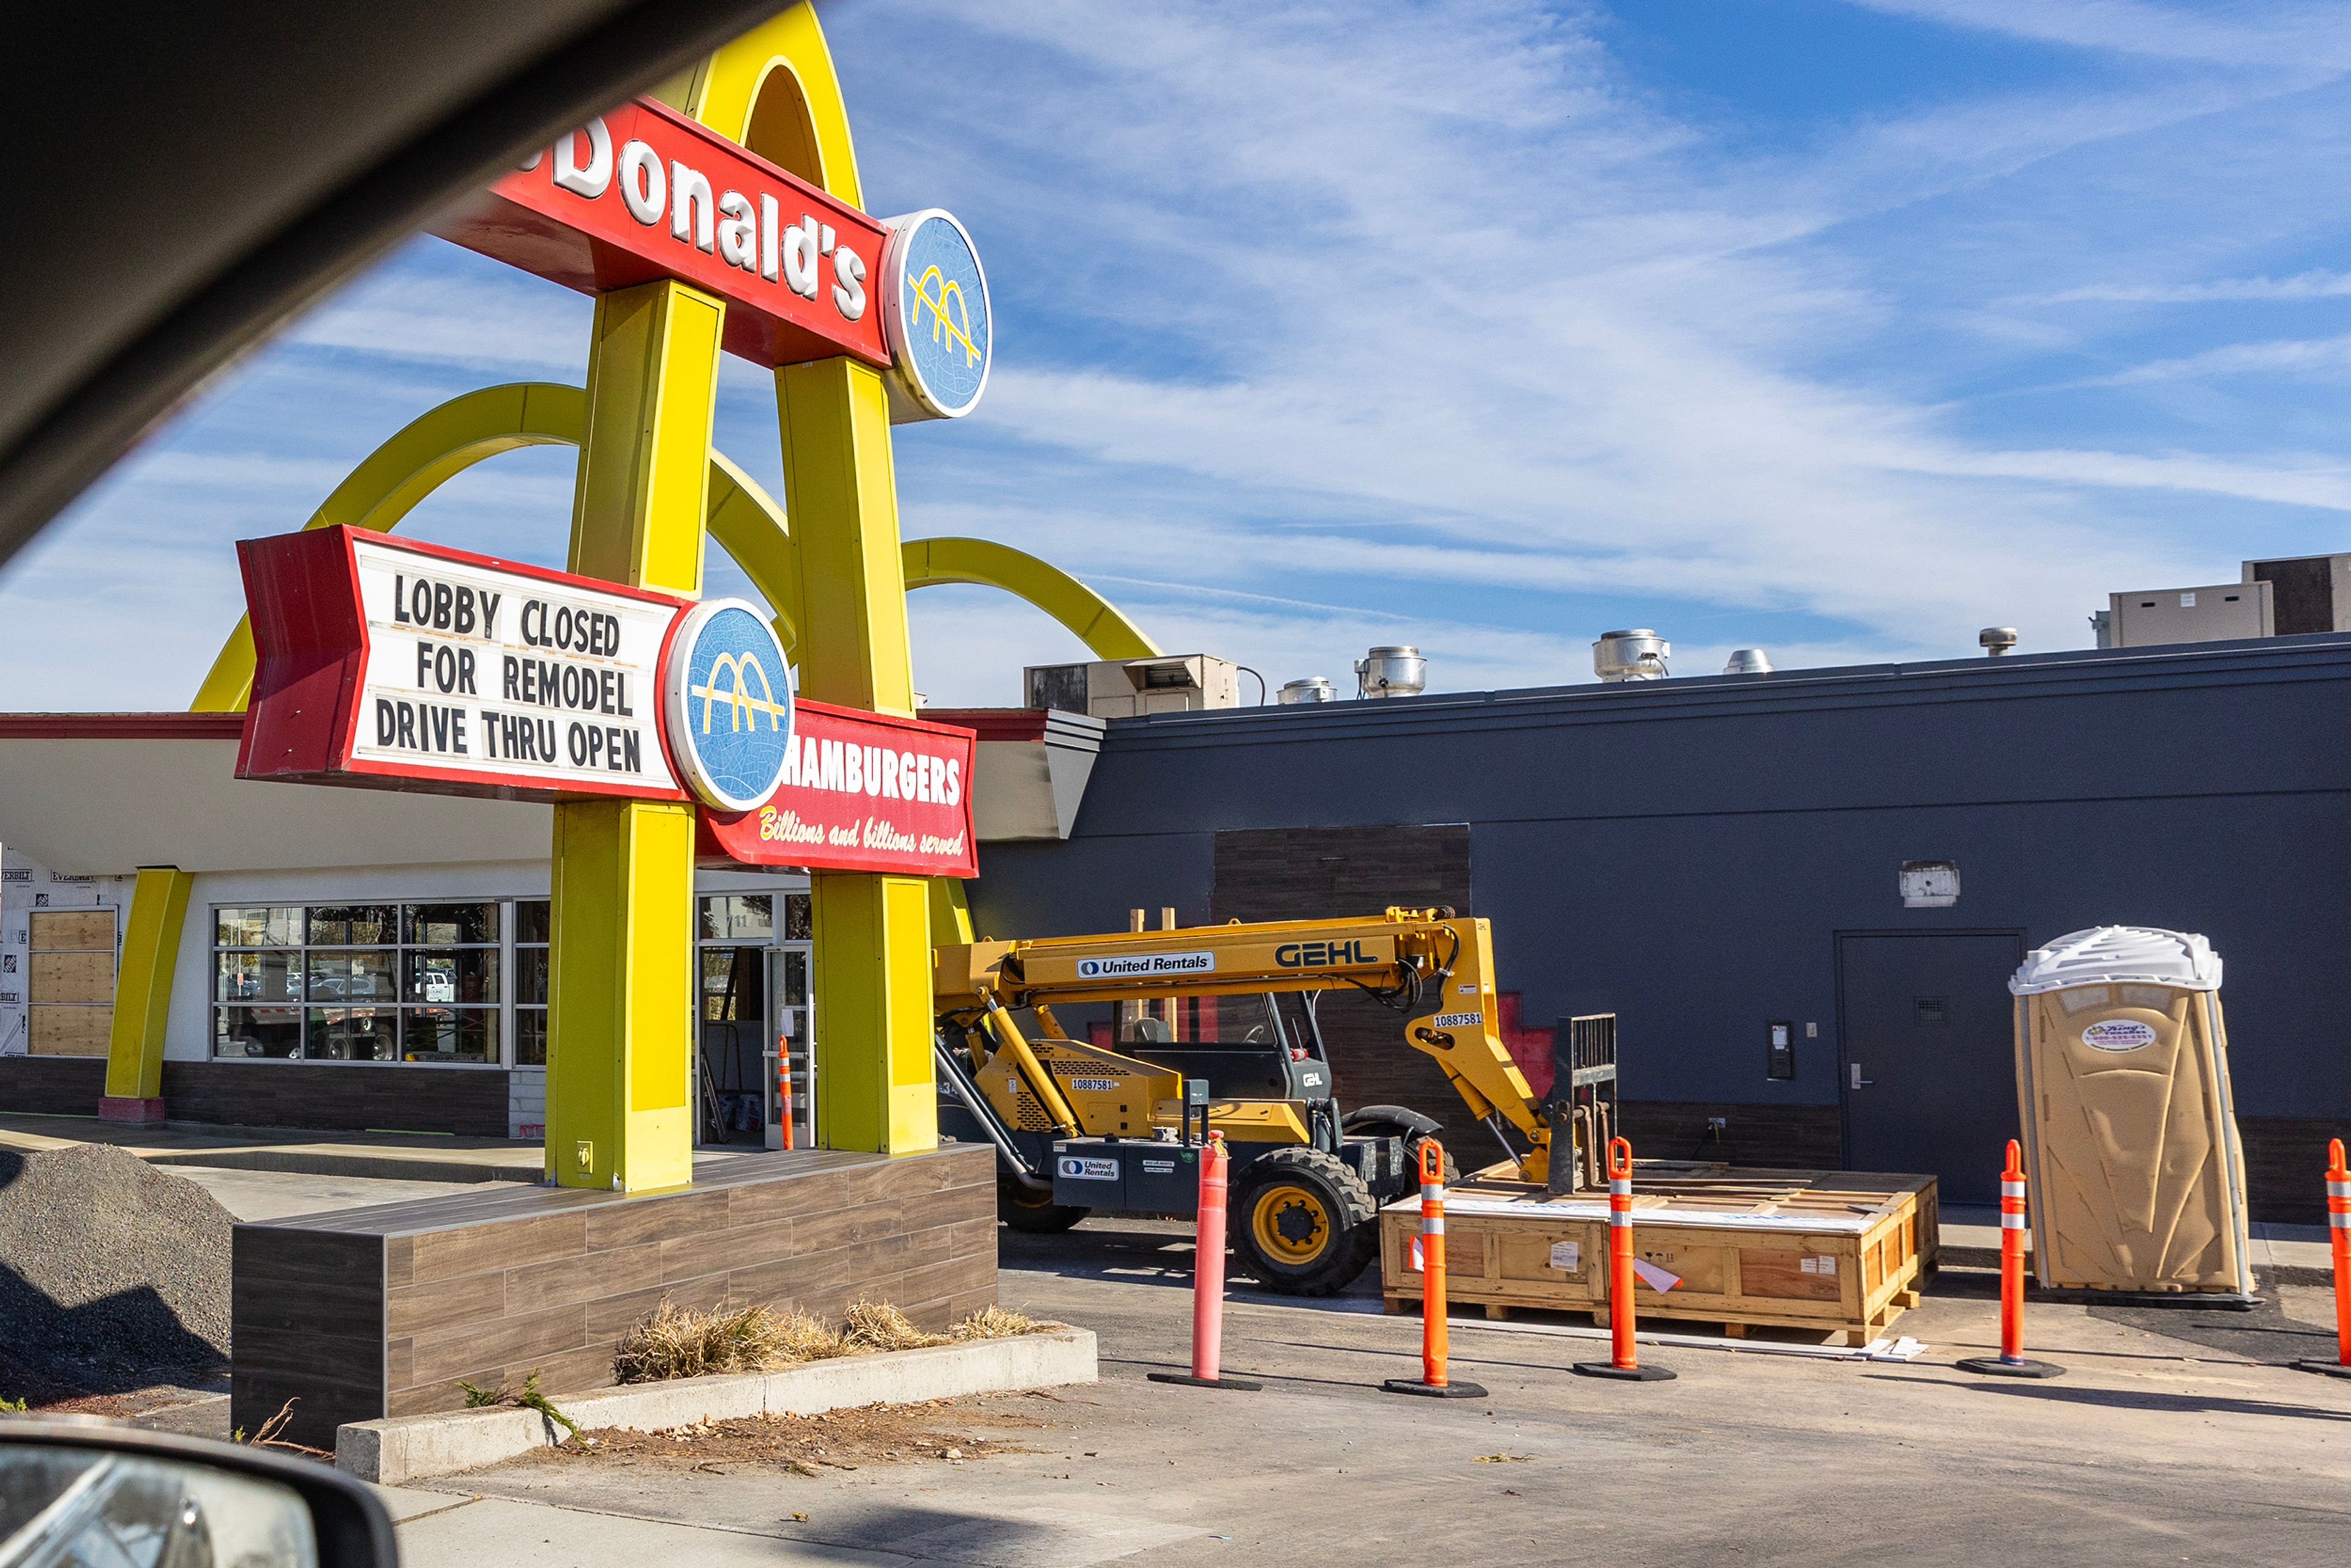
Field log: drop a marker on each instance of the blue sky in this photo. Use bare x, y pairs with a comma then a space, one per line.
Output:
1841, 330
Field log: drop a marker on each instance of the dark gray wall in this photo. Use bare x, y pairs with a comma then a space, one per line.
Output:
1683, 853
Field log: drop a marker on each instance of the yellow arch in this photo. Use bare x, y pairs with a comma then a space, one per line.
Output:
799, 122
744, 518
1096, 621
444, 442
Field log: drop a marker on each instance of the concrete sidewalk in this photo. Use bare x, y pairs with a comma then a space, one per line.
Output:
379, 1155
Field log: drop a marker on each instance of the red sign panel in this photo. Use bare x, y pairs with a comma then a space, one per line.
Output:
643, 192
385, 663
866, 792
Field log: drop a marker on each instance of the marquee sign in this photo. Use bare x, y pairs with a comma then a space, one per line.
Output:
386, 664
411, 666
863, 791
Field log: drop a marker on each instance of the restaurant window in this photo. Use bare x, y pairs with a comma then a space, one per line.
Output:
358, 982
530, 925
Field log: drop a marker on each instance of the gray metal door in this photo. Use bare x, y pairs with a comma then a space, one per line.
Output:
1929, 1068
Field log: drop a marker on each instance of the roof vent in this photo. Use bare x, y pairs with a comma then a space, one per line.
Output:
1748, 662
1312, 689
1996, 640
1630, 657
1391, 673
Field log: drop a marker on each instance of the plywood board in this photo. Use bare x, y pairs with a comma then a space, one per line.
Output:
70, 1031
72, 930
71, 977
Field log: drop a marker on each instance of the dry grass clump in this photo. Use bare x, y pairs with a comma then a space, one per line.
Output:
878, 1325
995, 1323
683, 1342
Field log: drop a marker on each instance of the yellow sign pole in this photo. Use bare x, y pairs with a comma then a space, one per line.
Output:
619, 1110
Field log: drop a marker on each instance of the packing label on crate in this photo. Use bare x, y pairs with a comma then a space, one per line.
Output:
1567, 1255
1819, 1265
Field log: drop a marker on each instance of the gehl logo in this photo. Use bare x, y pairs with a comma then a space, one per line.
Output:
1320, 955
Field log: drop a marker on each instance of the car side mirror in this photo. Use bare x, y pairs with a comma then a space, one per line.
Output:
91, 1494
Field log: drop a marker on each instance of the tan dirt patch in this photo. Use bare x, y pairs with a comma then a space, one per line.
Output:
949, 1431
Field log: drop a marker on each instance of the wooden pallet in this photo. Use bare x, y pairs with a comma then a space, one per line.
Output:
1837, 1251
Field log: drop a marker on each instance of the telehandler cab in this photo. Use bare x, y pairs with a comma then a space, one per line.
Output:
1081, 1128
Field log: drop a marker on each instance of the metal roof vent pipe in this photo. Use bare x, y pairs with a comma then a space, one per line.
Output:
1748, 662
1996, 640
1631, 656
1312, 689
1391, 673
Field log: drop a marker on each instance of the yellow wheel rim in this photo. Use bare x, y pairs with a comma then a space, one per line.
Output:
1289, 1223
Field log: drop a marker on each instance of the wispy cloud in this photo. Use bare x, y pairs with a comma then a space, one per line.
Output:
1455, 324
2316, 284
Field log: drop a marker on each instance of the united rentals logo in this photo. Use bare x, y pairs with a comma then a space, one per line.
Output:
1145, 965
730, 704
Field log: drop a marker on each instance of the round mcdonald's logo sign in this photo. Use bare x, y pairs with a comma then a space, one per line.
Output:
934, 313
729, 704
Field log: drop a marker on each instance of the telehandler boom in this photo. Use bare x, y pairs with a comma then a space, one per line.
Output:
1079, 1127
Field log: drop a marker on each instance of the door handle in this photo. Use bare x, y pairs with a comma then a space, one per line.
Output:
1858, 1080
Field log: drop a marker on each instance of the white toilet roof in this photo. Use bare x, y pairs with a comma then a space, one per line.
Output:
2105, 955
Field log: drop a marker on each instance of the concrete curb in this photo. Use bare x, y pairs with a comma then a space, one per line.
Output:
405, 1449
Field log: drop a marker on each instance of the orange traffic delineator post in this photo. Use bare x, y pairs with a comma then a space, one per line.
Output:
784, 1082
1623, 1364
2338, 1232
2011, 1361
1208, 1278
1433, 1383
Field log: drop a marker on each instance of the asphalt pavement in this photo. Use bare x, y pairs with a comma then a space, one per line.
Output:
2152, 1449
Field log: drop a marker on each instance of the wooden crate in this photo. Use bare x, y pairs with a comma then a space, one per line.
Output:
1832, 1250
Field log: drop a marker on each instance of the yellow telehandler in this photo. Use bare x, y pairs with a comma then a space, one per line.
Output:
1081, 1127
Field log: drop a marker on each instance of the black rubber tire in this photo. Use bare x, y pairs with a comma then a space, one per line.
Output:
1351, 1227
1031, 1213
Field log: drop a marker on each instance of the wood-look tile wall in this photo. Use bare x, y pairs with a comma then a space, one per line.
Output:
470, 1101
1312, 873
381, 1312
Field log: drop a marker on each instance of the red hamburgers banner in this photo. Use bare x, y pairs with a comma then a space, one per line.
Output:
863, 793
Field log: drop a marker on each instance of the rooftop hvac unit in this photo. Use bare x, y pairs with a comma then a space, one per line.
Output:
1638, 656
1123, 688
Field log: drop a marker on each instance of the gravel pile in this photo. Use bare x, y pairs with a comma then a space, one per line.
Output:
108, 1265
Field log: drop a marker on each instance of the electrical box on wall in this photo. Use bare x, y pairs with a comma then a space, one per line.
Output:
1929, 884
1779, 1054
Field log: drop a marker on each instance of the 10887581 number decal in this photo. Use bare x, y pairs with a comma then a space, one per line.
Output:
1457, 1020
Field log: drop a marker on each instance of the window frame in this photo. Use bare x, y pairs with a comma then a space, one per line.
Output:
503, 1010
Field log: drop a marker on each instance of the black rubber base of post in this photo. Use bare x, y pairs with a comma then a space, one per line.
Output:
1434, 1390
2324, 1368
1238, 1385
1622, 1373
1992, 1367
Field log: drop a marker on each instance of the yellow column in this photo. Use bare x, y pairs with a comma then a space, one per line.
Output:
872, 952
621, 982
143, 995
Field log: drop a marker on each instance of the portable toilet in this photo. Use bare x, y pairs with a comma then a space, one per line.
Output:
2137, 1176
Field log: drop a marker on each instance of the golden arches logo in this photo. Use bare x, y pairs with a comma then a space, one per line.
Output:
937, 290
743, 709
